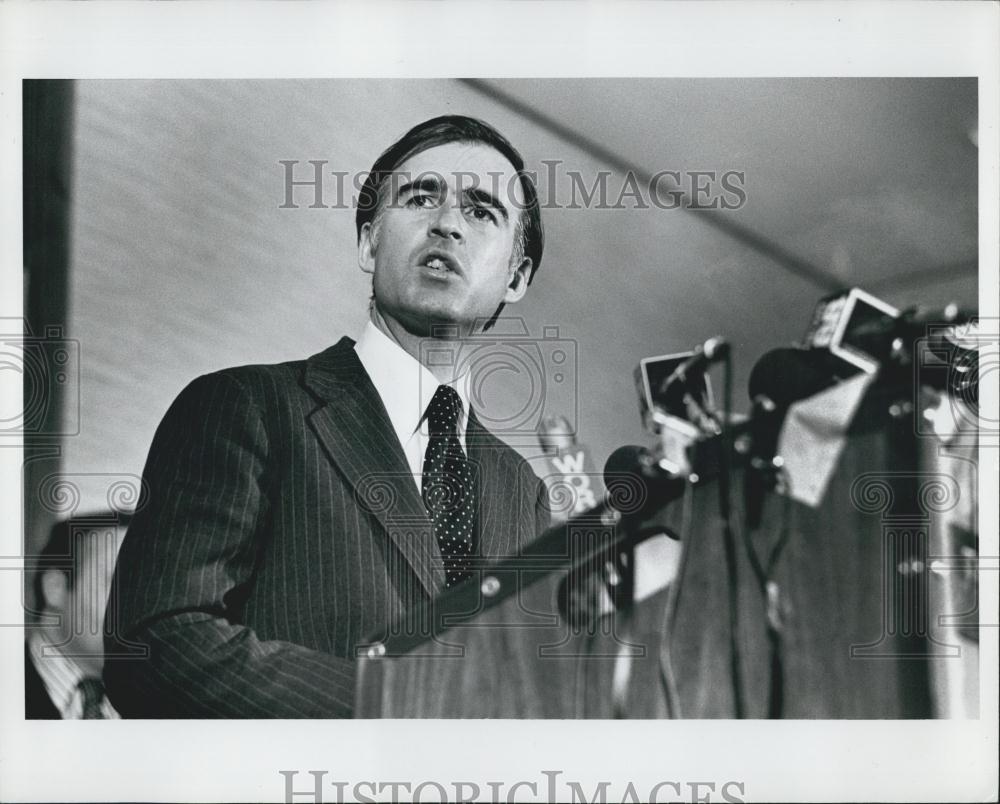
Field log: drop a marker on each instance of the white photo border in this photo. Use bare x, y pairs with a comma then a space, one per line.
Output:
240, 761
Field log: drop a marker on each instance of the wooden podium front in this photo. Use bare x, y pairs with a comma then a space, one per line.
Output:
498, 646
851, 603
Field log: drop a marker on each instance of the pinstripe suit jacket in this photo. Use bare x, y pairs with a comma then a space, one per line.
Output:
282, 528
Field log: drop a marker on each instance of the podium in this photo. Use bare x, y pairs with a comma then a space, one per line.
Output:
854, 611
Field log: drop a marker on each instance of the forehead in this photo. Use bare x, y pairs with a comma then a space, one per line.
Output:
464, 163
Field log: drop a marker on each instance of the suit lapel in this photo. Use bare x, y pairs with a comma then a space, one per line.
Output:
498, 514
358, 437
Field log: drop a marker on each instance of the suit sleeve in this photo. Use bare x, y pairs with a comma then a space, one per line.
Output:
543, 510
185, 562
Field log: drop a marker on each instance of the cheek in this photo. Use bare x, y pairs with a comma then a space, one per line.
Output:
386, 273
496, 258
504, 272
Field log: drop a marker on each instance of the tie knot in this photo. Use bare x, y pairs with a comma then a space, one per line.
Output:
443, 411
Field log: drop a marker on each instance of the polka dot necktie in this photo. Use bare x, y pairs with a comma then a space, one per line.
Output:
448, 485
93, 696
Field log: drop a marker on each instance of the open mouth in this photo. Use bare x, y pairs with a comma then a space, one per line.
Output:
440, 262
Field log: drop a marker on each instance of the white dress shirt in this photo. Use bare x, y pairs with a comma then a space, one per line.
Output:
61, 677
406, 387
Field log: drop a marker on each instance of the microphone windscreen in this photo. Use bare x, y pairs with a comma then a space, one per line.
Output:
787, 375
628, 459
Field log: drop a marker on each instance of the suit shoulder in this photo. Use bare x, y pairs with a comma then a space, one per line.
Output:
263, 373
255, 380
279, 379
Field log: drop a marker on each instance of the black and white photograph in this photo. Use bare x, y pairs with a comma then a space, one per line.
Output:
515, 431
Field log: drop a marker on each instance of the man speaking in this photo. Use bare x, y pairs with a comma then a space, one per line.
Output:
296, 509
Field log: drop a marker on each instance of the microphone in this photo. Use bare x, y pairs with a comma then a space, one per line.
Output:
915, 322
711, 351
946, 346
778, 379
847, 328
636, 482
603, 585
628, 459
639, 490
571, 481
555, 435
630, 478
788, 374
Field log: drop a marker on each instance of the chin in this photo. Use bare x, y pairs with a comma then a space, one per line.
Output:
425, 316
422, 314
422, 322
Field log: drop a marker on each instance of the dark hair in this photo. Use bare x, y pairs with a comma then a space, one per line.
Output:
61, 550
441, 131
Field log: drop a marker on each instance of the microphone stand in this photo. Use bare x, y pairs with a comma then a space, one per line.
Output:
678, 440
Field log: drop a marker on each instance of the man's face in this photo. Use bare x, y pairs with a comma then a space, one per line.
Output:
441, 247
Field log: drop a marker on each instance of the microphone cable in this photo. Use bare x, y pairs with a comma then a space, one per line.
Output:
770, 594
728, 538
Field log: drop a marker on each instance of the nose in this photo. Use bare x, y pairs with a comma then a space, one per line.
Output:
448, 223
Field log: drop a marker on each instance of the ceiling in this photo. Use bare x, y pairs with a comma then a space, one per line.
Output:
870, 181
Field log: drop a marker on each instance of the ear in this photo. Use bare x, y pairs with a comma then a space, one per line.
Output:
518, 284
55, 589
366, 249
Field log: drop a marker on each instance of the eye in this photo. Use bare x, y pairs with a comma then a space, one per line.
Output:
420, 200
483, 214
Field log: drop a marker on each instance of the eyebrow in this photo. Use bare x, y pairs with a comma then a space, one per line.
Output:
427, 184
485, 198
478, 195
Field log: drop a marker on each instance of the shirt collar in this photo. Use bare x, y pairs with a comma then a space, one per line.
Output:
405, 385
